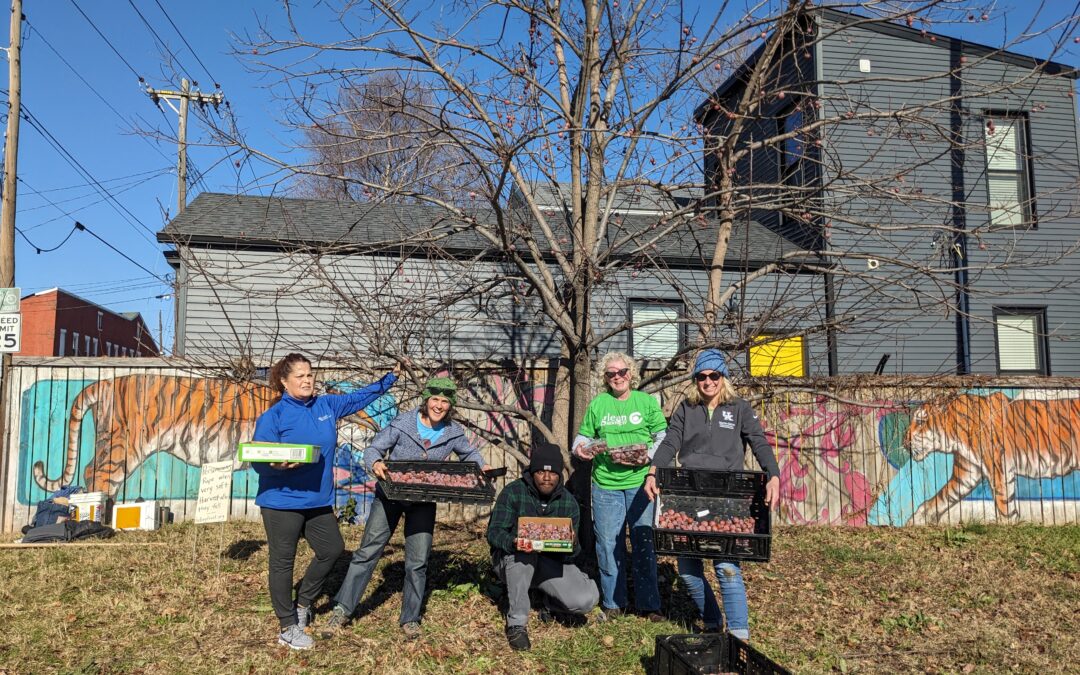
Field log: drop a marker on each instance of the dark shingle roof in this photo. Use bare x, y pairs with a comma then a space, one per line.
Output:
241, 220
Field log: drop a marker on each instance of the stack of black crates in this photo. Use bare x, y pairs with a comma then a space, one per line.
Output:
710, 654
712, 514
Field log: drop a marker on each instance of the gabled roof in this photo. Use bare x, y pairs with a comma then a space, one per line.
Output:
349, 227
883, 27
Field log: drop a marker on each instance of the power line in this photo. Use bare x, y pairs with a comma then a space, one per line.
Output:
74, 163
91, 87
115, 51
164, 45
37, 248
80, 226
64, 213
190, 48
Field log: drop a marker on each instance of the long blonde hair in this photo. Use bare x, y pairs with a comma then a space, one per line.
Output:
727, 393
605, 361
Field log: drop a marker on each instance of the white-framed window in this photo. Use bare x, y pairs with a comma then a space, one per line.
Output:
1008, 180
100, 320
75, 344
108, 348
86, 350
1021, 341
95, 346
63, 342
655, 331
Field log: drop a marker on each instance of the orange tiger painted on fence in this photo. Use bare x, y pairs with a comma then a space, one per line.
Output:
197, 420
998, 439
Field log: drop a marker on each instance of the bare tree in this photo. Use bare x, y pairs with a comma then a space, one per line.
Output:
531, 127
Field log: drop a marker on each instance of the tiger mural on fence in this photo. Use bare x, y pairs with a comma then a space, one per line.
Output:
197, 420
998, 439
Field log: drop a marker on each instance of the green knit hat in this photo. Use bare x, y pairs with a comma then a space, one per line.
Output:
441, 386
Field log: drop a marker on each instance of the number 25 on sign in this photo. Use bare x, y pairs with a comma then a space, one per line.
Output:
10, 332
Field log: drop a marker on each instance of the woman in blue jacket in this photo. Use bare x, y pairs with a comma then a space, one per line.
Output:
297, 499
425, 434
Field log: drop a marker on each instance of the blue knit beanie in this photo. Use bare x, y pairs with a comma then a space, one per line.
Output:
711, 359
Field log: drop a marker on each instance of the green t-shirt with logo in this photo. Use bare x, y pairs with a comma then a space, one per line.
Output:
620, 423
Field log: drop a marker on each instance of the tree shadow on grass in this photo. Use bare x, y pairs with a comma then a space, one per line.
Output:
244, 549
447, 571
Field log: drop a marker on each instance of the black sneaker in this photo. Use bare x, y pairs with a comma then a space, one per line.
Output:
518, 637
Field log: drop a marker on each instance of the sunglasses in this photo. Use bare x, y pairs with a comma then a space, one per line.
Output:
612, 374
714, 376
445, 393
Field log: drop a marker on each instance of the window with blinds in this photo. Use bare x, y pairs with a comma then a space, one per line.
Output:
1021, 340
779, 356
1007, 181
655, 332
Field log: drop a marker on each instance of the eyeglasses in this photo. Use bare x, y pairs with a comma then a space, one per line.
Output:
445, 393
612, 374
714, 376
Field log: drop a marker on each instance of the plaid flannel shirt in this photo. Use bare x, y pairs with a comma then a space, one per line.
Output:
519, 498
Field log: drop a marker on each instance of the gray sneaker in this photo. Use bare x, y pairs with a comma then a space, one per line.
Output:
304, 617
411, 630
336, 623
294, 637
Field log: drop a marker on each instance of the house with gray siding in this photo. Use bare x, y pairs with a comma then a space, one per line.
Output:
260, 276
936, 179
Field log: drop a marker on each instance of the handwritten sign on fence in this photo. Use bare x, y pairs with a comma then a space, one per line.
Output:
215, 491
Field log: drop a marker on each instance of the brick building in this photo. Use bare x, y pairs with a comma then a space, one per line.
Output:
57, 323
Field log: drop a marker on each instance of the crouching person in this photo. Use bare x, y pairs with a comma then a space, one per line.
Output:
538, 493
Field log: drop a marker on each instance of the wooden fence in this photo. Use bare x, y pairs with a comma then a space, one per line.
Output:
896, 453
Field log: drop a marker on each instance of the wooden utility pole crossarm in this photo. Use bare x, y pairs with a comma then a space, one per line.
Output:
185, 96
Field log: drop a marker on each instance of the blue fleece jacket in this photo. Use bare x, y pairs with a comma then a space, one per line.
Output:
400, 441
310, 422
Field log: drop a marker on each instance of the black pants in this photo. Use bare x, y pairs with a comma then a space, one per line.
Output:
283, 531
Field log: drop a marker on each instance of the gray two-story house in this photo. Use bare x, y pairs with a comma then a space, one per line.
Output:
259, 276
935, 178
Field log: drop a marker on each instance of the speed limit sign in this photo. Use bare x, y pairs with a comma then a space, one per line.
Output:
10, 332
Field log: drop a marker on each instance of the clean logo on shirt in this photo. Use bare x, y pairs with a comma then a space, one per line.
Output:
324, 418
610, 420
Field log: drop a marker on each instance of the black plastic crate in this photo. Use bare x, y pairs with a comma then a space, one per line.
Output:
482, 493
728, 506
710, 653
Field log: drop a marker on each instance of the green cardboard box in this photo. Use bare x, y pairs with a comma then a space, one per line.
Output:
278, 452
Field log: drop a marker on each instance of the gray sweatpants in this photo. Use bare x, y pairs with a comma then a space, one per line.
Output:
571, 589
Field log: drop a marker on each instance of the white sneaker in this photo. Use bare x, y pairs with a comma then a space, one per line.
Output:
294, 637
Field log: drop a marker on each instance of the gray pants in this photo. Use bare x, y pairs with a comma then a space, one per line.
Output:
571, 589
381, 523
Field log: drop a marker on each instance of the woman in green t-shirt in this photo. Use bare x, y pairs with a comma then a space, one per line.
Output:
619, 417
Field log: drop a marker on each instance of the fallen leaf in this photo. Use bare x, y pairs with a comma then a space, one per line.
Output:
608, 641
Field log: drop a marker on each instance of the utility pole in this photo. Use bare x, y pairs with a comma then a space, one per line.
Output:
7, 225
184, 96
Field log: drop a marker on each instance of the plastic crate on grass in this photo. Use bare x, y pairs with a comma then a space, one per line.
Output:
710, 653
712, 514
452, 482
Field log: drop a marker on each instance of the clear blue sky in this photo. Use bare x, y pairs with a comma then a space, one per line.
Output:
139, 173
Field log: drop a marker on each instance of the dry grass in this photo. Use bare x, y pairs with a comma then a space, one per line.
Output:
980, 599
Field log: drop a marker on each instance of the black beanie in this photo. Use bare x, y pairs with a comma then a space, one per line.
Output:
546, 457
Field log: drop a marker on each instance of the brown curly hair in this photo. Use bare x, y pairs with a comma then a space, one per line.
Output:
283, 368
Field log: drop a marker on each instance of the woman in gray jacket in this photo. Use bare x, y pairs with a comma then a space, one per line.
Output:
424, 434
710, 430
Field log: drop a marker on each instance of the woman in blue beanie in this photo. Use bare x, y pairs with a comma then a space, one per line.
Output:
710, 430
